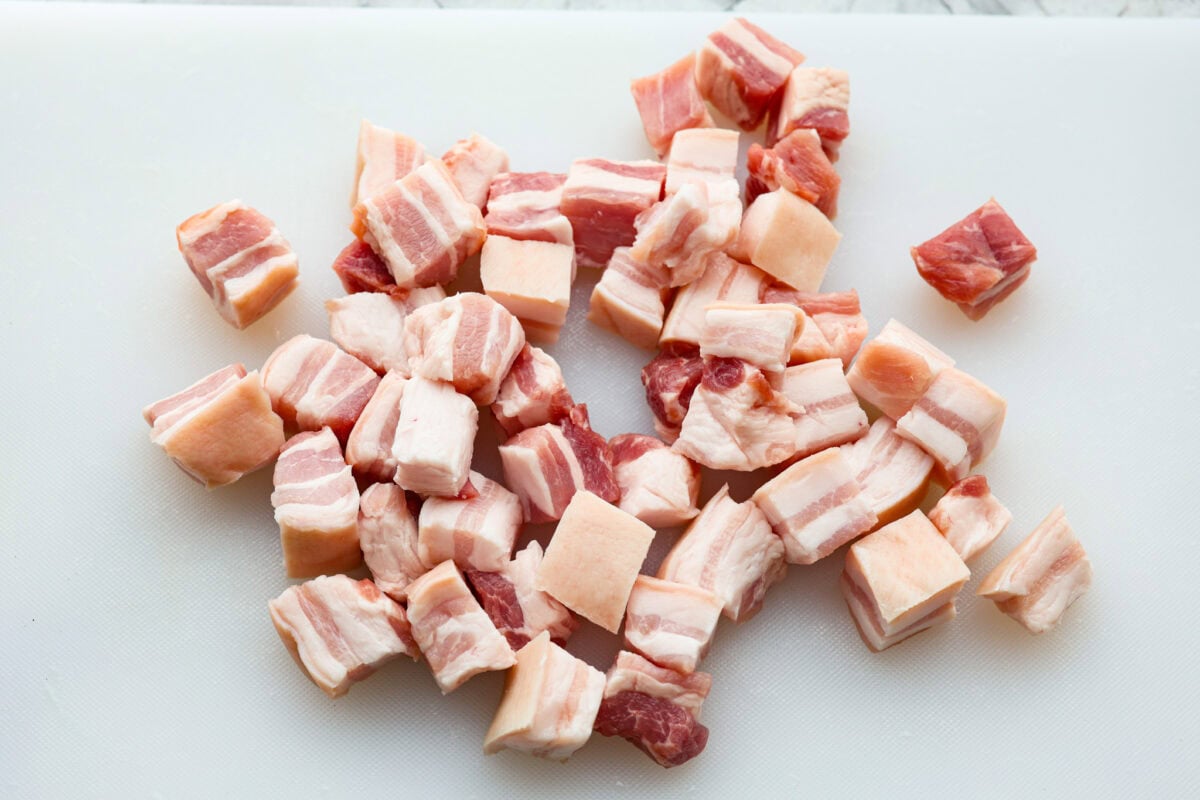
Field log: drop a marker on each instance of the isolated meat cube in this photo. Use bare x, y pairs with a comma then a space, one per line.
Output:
384, 157
602, 198
672, 624
370, 325
701, 154
1042, 577
670, 380
668, 102
816, 98
730, 550
473, 163
788, 238
658, 486
549, 704
797, 164
724, 279
978, 261
316, 506
241, 260
369, 448
532, 393
531, 279
387, 534
478, 533
970, 516
741, 69
435, 438
314, 384
759, 334
630, 299
525, 205
219, 428
829, 412
468, 340
893, 472
837, 316
340, 630
517, 608
957, 421
895, 368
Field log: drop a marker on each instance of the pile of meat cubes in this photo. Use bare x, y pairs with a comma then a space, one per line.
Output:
372, 433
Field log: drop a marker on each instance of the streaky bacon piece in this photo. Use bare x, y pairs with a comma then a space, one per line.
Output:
473, 163
315, 384
658, 486
895, 368
360, 270
798, 164
602, 198
724, 279
532, 393
384, 157
957, 421
838, 317
316, 506
525, 205
970, 516
672, 624
219, 428
531, 279
978, 261
741, 69
830, 414
370, 326
788, 238
241, 260
817, 98
670, 380
731, 551
894, 472
519, 609
709, 155
435, 438
669, 102
387, 533
340, 630
630, 299
1042, 577
759, 334
477, 533
369, 447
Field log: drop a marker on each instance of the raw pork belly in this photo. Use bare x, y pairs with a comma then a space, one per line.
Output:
761, 335
314, 384
672, 624
724, 279
630, 299
219, 428
731, 551
525, 205
658, 486
709, 155
798, 164
669, 102
549, 704
369, 448
900, 580
532, 393
519, 609
671, 379
895, 368
421, 226
455, 635
370, 326
816, 98
894, 472
473, 163
674, 233
240, 259
340, 630
531, 279
815, 506
838, 317
387, 533
468, 340
384, 157
548, 464
830, 413
477, 533
789, 239
602, 198
656, 709
741, 70
957, 421
978, 261
1047, 572
593, 559
360, 270
970, 516
435, 438
316, 506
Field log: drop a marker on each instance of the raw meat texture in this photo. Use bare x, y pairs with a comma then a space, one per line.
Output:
370, 326
519, 609
241, 260
316, 506
314, 384
655, 709
815, 506
340, 630
669, 102
829, 412
435, 438
532, 393
672, 624
549, 704
384, 157
219, 428
788, 238
895, 368
900, 580
724, 279
837, 316
473, 163
421, 226
741, 70
970, 516
468, 340
701, 154
736, 420
525, 205
957, 421
978, 261
455, 635
602, 198
1042, 577
798, 164
531, 279
387, 534
593, 559
658, 486
670, 380
894, 472
816, 98
548, 464
671, 231
759, 334
478, 533
630, 299
730, 550
369, 448
360, 270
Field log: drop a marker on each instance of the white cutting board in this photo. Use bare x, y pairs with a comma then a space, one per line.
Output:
136, 656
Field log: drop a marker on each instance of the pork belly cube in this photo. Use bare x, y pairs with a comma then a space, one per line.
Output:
370, 325
630, 299
478, 533
360, 270
219, 428
741, 69
531, 279
830, 413
789, 239
978, 261
893, 472
957, 421
815, 506
670, 380
723, 280
468, 340
369, 448
387, 534
517, 608
602, 199
525, 205
815, 98
435, 438
384, 157
658, 486
895, 368
761, 335
593, 559
316, 506
701, 154
1042, 577
314, 384
970, 516
669, 102
340, 630
731, 551
672, 624
836, 316
655, 709
473, 163
532, 393
900, 580
549, 704
796, 164
240, 259
671, 230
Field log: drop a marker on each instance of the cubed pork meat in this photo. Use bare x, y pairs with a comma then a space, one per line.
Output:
894, 472
957, 421
360, 270
369, 448
895, 368
384, 157
672, 624
473, 163
970, 516
759, 334
370, 325
435, 438
477, 533
724, 279
314, 384
788, 238
602, 199
387, 534
674, 233
797, 164
741, 69
532, 393
829, 412
658, 486
531, 279
630, 299
701, 154
670, 380
669, 102
525, 205
517, 608
815, 98
837, 316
